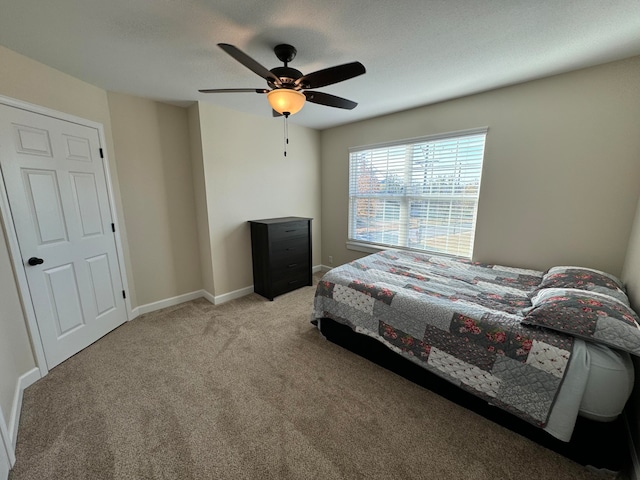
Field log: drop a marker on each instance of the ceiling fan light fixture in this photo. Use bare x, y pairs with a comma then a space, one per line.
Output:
286, 100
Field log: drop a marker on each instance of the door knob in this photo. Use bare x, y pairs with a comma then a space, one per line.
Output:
35, 261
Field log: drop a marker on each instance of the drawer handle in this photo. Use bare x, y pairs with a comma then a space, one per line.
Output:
294, 281
291, 265
290, 249
289, 231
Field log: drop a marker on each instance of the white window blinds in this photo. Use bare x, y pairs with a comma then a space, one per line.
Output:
418, 194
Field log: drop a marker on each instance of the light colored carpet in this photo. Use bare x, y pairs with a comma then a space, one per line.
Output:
251, 390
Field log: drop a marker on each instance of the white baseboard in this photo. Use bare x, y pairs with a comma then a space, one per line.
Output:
635, 463
209, 297
24, 381
216, 300
168, 302
226, 297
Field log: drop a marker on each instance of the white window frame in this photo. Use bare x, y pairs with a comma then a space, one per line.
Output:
405, 199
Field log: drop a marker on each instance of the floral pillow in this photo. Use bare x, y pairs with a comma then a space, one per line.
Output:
589, 315
583, 279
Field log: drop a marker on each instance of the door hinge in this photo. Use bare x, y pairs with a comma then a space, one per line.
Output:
113, 227
124, 295
101, 154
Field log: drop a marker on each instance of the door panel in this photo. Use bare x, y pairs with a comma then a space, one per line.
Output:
32, 140
86, 200
78, 148
42, 191
56, 184
64, 298
101, 283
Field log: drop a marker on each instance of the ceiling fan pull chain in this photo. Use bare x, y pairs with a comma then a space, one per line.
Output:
286, 133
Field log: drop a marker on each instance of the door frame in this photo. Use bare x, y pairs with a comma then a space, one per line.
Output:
12, 237
5, 441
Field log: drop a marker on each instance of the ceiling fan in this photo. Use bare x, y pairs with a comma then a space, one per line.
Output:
289, 88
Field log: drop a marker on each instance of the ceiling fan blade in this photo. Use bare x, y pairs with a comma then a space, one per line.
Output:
233, 90
249, 62
331, 75
329, 100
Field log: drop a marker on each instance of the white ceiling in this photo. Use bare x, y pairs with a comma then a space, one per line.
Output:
416, 52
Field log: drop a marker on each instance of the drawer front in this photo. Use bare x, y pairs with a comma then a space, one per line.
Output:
285, 266
283, 231
295, 278
289, 270
290, 250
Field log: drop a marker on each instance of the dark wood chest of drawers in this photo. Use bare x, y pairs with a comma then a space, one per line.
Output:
281, 251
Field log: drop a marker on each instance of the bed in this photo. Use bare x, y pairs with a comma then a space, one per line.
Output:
543, 346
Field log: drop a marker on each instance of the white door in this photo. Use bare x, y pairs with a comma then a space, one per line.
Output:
56, 185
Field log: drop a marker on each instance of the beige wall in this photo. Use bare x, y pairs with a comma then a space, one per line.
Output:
200, 193
249, 178
156, 186
560, 178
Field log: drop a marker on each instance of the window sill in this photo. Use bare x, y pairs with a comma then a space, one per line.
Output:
372, 248
365, 247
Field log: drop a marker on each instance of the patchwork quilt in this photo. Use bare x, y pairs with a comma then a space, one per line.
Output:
456, 318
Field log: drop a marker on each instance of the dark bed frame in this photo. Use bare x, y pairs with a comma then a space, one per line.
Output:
597, 444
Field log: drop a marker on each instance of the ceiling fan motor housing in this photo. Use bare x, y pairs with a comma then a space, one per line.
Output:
287, 76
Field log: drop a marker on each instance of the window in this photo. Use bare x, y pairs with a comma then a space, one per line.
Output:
417, 194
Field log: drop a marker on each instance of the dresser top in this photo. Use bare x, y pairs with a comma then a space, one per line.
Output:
269, 221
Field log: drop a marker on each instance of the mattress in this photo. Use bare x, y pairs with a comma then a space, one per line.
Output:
597, 387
